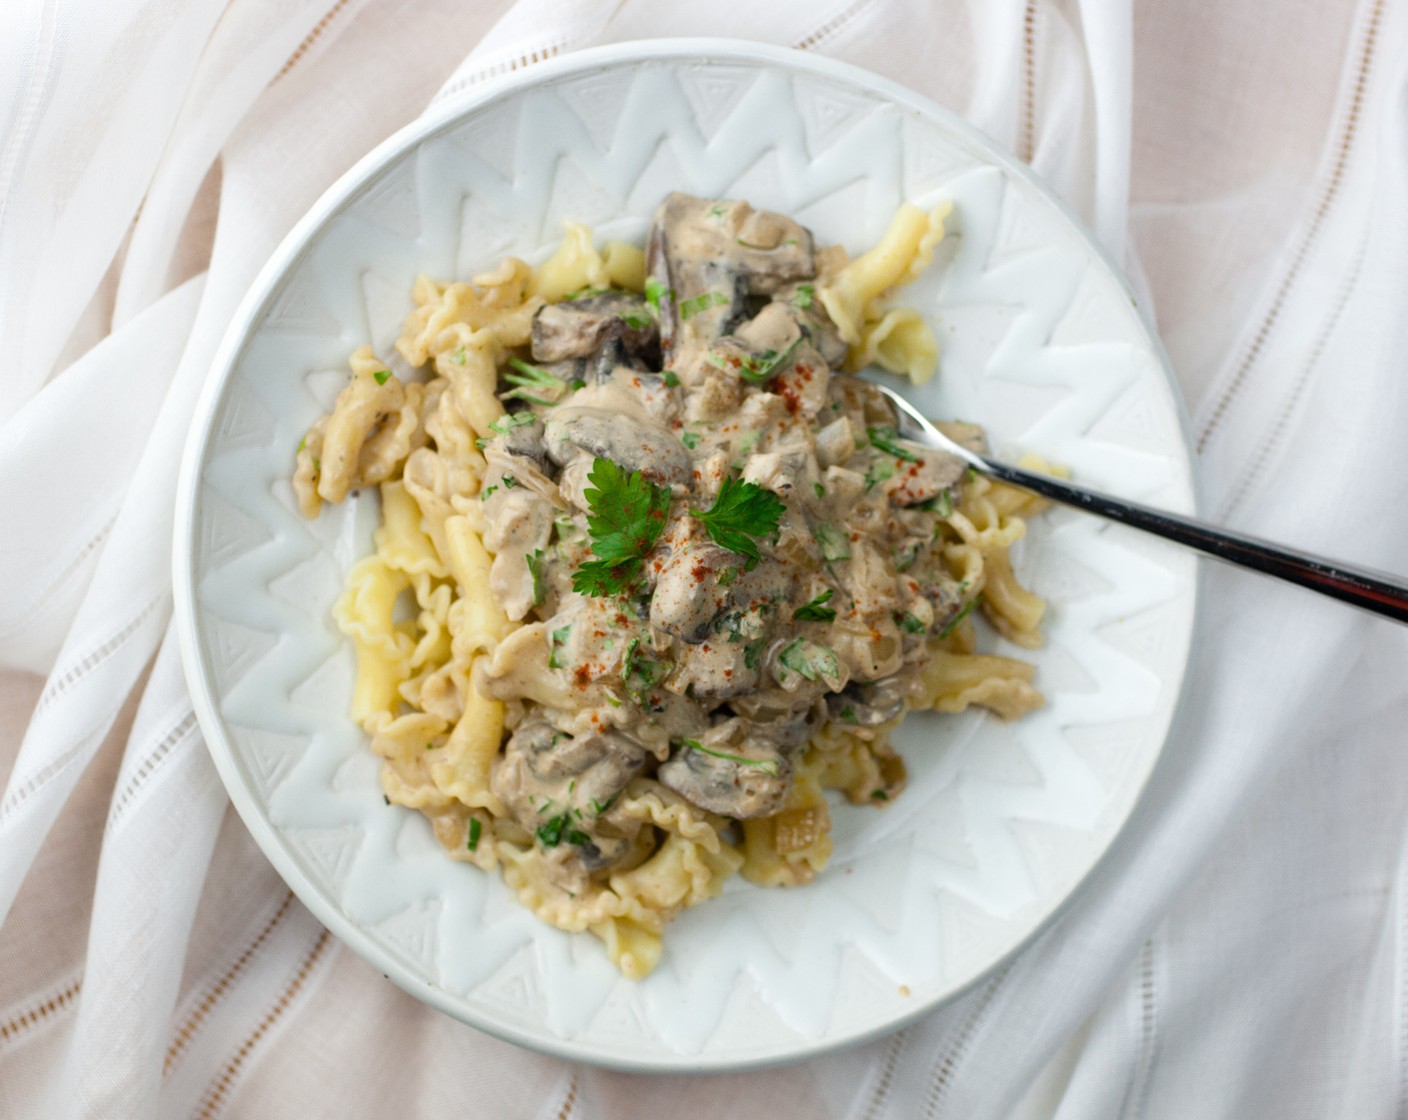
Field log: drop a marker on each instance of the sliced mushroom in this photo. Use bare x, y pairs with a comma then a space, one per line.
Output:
700, 581
929, 475
709, 255
750, 783
561, 787
867, 705
716, 670
579, 328
629, 442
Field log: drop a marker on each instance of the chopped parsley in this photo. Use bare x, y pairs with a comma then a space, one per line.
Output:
911, 625
883, 439
941, 503
599, 807
811, 660
742, 513
959, 617
848, 714
759, 367
820, 489
834, 543
476, 827
556, 641
690, 439
727, 576
640, 674
559, 828
879, 471
302, 444
766, 765
655, 291
751, 652
484, 494
672, 379
627, 515
535, 569
879, 795
802, 297
636, 320
814, 611
505, 424
458, 357
691, 307
382, 376
528, 376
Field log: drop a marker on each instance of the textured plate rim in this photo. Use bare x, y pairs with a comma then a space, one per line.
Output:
252, 306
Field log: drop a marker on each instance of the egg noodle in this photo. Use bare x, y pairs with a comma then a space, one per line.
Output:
620, 731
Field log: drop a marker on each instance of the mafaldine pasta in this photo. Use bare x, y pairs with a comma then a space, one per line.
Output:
653, 574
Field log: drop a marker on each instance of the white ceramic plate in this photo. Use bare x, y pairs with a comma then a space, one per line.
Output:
1001, 822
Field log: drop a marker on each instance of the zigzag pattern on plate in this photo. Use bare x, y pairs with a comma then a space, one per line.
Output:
1000, 821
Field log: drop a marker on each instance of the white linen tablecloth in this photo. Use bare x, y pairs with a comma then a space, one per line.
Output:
1242, 954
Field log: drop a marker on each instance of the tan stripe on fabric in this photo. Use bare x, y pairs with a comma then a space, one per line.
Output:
216, 993
831, 26
887, 1076
311, 38
943, 1074
27, 1020
1026, 142
1328, 194
214, 1098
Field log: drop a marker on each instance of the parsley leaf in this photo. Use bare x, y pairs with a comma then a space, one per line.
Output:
656, 291
627, 516
959, 617
557, 641
766, 765
742, 512
690, 439
636, 320
535, 569
505, 424
811, 660
883, 439
382, 376
528, 376
802, 298
814, 611
691, 307
911, 625
759, 367
672, 379
557, 829
835, 545
475, 828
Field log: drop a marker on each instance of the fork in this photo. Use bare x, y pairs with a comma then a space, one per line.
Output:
1378, 592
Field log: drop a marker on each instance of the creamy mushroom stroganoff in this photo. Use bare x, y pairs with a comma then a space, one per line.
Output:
653, 572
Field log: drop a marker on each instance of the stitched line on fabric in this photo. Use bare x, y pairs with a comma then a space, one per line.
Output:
220, 1088
170, 740
569, 1102
1349, 130
539, 54
1137, 1092
887, 1075
943, 1076
1026, 147
216, 992
44, 776
1255, 471
47, 1007
57, 583
311, 38
92, 660
831, 26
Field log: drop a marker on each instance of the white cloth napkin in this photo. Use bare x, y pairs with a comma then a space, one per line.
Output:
1242, 951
